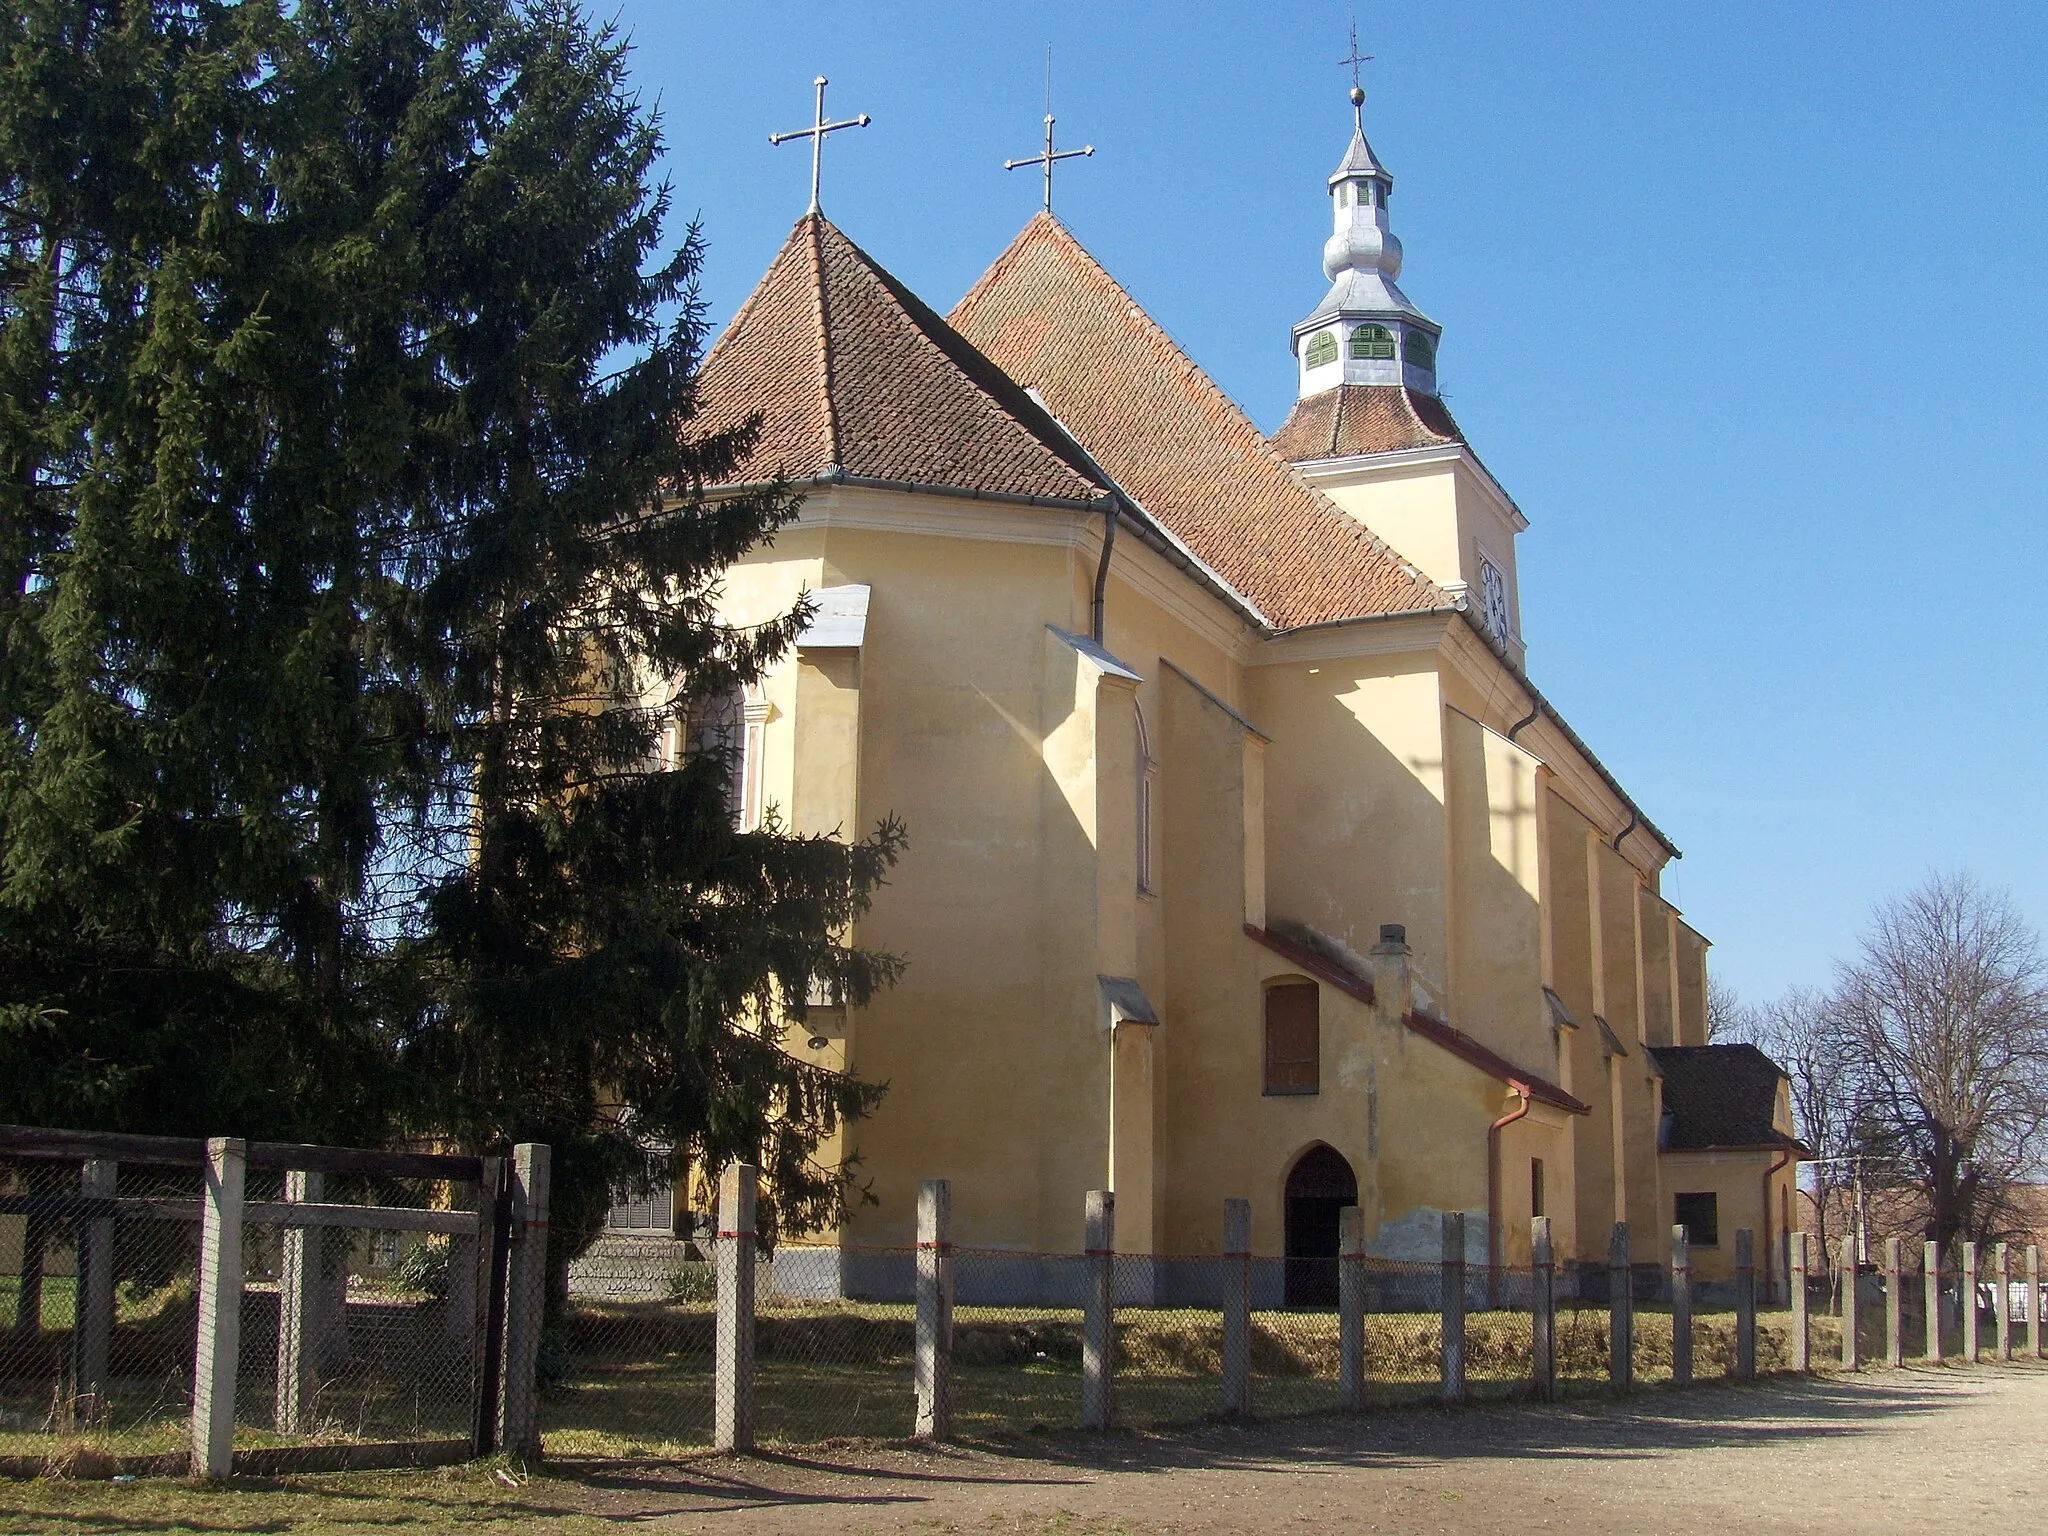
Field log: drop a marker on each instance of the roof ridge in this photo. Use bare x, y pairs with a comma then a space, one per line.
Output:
1221, 405
981, 372
816, 221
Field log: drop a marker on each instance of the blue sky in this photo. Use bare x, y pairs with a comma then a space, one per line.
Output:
1744, 304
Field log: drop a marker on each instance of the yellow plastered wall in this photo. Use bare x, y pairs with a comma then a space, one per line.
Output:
1738, 1178
1660, 1022
1355, 833
1495, 980
1691, 965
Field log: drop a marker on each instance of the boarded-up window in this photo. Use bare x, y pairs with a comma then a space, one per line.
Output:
1293, 1044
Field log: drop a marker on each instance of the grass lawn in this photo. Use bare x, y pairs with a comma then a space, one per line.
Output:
634, 1380
468, 1499
60, 1293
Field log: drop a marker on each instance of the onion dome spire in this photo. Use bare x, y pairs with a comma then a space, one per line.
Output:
1365, 331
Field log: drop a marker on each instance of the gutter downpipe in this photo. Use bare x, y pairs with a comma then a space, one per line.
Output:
1493, 1131
1521, 725
1635, 819
1772, 1172
1109, 515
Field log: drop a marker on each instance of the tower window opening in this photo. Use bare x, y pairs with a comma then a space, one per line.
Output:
1322, 348
1373, 341
1419, 350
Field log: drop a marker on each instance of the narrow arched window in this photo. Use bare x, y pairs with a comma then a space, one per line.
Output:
1322, 348
1293, 1037
1419, 350
1372, 341
715, 726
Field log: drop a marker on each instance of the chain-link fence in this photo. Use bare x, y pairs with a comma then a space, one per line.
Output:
385, 1310
97, 1311
166, 1303
357, 1333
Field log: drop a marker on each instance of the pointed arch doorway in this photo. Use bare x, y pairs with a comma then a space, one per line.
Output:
1319, 1186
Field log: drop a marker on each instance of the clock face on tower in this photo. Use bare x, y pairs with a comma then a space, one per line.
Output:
1493, 597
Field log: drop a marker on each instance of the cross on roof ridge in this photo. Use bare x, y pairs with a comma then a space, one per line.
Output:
816, 134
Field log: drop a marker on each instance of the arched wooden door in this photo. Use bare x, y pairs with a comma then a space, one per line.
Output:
1319, 1186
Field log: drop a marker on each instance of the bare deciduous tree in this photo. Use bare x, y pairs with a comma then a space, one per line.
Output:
1728, 1016
1801, 1031
1945, 1017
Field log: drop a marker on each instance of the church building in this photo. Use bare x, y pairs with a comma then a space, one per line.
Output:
1245, 858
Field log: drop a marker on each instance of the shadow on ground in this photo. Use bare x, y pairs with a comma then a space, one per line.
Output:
1652, 1424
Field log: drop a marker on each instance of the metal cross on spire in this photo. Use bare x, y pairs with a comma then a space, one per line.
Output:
1354, 59
1050, 156
816, 134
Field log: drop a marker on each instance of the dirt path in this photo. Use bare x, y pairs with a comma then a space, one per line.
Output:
1882, 1452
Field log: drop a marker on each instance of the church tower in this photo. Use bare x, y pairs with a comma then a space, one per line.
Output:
1369, 428
1365, 331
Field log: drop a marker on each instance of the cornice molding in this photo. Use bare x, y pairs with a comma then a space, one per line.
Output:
1360, 468
935, 513
1382, 636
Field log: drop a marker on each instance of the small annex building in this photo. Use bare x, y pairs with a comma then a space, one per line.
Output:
1245, 858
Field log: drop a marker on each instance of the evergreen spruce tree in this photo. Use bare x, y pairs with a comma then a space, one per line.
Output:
356, 560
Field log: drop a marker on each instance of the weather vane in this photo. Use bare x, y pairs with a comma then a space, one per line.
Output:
816, 134
1051, 155
1354, 59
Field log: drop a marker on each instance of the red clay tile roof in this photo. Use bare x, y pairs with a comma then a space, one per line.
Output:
1056, 321
1364, 418
852, 374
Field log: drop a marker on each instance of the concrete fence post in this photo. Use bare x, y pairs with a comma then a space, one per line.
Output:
1745, 1303
1351, 1307
458, 1304
1098, 1317
1452, 1283
1237, 1305
1894, 1311
1543, 1310
1681, 1308
1795, 1283
92, 1336
220, 1308
732, 1393
299, 1298
526, 1294
934, 1365
1969, 1304
1621, 1312
2034, 1300
2001, 1300
1852, 1343
1930, 1279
